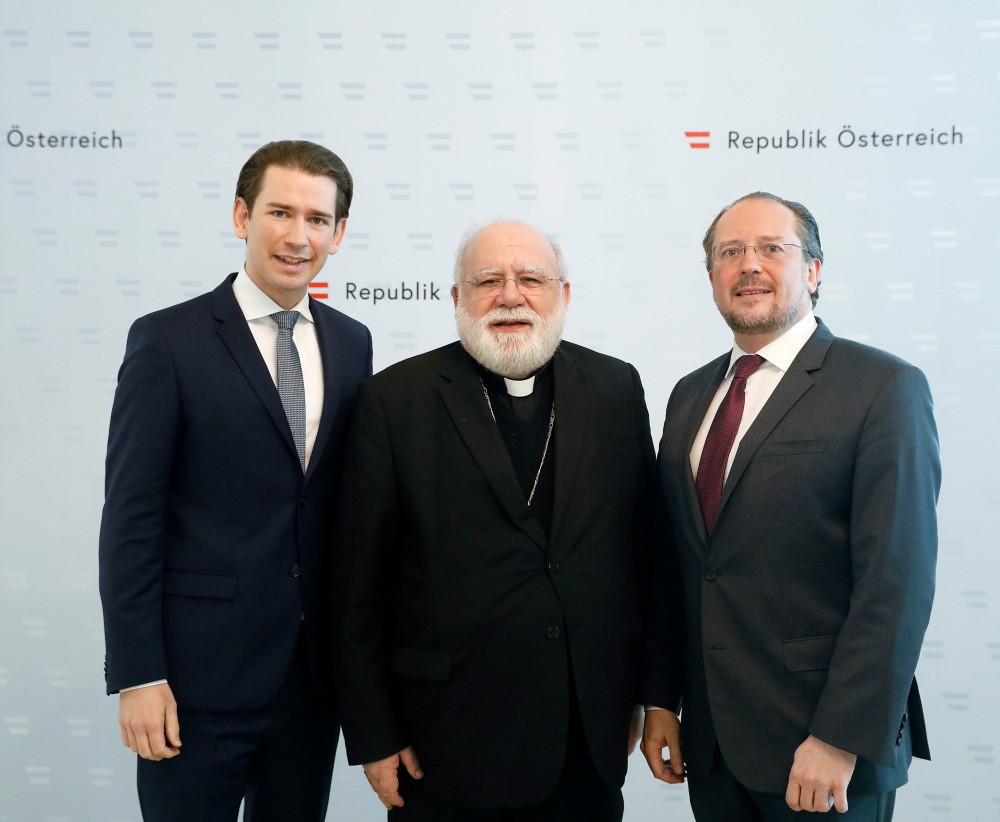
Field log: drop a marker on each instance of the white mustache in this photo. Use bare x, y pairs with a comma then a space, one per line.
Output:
518, 313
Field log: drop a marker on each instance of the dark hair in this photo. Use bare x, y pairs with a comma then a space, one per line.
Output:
300, 155
808, 230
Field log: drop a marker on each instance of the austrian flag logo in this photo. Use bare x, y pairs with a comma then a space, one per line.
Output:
698, 139
319, 291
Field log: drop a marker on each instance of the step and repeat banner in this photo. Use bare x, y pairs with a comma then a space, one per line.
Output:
621, 128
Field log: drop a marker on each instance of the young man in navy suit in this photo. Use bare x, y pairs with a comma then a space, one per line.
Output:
801, 473
224, 453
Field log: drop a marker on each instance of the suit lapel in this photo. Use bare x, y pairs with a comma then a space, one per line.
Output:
329, 351
572, 399
463, 396
701, 402
796, 381
235, 333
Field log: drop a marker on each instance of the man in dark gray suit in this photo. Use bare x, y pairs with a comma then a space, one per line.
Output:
801, 473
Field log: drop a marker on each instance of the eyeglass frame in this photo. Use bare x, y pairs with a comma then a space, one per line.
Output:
743, 252
480, 287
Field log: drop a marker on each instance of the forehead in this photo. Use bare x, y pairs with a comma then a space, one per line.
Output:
506, 244
291, 186
756, 218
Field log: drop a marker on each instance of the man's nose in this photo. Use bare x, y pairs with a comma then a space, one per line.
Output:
750, 261
296, 233
510, 294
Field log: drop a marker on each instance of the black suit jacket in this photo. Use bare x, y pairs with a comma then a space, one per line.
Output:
807, 606
462, 621
213, 543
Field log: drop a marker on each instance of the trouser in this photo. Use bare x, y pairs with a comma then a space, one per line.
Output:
278, 760
719, 797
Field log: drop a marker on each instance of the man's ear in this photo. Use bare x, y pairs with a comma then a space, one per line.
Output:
241, 216
338, 235
813, 276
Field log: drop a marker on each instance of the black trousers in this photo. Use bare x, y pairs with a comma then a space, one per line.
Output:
580, 793
278, 759
719, 797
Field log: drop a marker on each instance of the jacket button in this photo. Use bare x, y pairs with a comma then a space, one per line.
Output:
553, 567
552, 632
303, 503
295, 571
712, 574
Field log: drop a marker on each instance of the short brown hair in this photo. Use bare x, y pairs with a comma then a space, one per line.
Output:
300, 155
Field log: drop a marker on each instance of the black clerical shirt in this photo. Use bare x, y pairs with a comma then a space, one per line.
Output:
524, 424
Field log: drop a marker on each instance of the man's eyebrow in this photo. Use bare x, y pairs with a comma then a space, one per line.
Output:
286, 207
487, 272
760, 239
529, 269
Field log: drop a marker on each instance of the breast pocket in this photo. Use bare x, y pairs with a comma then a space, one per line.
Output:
792, 447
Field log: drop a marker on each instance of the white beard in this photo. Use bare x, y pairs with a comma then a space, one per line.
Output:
511, 354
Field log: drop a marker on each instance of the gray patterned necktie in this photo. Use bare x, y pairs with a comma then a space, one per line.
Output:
291, 388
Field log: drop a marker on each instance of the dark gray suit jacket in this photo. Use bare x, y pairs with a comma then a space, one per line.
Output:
807, 606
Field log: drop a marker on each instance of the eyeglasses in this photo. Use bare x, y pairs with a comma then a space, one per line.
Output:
490, 286
730, 256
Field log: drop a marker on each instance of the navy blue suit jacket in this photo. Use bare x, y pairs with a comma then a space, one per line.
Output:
213, 544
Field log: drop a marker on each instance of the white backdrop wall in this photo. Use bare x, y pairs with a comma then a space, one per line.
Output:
569, 115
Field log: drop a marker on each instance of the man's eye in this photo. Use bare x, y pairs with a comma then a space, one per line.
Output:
278, 213
728, 253
774, 248
489, 282
320, 220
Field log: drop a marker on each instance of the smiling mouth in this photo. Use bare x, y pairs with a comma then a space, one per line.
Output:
752, 292
291, 260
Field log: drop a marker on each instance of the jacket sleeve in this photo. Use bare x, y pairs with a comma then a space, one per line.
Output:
893, 537
144, 432
661, 673
364, 542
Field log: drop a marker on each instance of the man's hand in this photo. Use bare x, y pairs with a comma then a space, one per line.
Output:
663, 730
148, 721
383, 776
819, 777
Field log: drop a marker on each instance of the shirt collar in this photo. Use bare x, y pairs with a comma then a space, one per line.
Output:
255, 304
782, 351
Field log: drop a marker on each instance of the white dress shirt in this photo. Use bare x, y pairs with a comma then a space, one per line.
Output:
778, 356
257, 307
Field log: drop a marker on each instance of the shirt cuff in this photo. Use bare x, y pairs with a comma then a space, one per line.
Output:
158, 682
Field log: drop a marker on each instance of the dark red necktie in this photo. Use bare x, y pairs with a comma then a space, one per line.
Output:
720, 439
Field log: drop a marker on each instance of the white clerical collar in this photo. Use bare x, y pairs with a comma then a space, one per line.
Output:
520, 388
